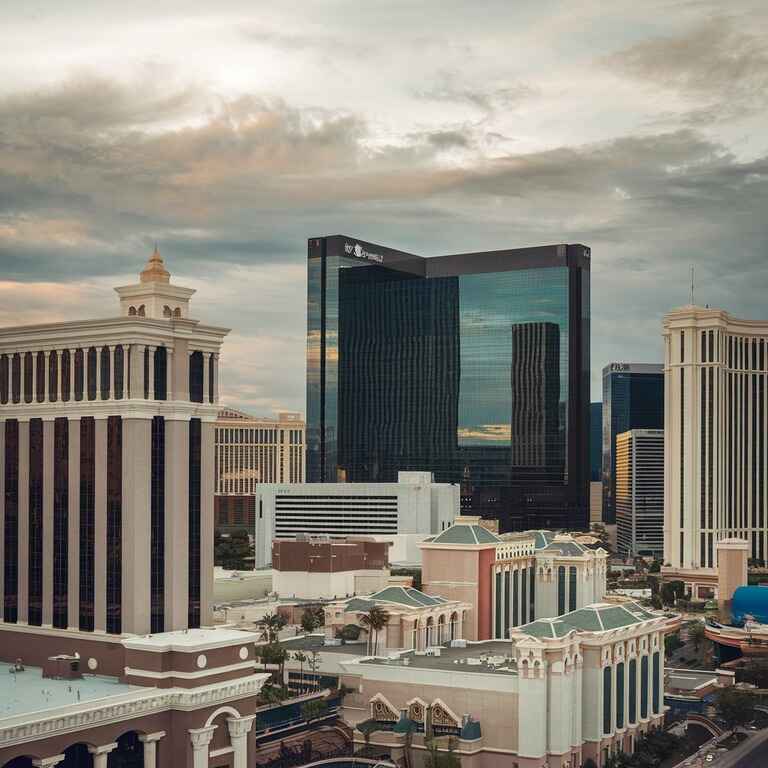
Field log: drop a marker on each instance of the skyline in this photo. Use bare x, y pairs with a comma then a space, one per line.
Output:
485, 132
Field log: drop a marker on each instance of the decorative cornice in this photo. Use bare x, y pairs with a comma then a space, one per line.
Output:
39, 725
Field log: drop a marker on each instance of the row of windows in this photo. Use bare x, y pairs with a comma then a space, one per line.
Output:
258, 436
514, 603
646, 686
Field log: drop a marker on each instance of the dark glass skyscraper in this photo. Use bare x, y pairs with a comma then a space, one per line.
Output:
472, 366
633, 398
596, 441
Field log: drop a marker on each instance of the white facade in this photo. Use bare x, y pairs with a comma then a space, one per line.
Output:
716, 423
318, 585
252, 450
414, 505
639, 493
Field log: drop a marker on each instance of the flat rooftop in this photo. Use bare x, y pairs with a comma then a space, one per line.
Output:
689, 679
190, 639
28, 692
315, 643
490, 657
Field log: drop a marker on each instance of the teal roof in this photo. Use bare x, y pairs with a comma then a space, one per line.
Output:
543, 538
407, 596
462, 533
601, 617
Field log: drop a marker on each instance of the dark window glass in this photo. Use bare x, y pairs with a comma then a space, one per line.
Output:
114, 524
5, 362
119, 365
655, 683
523, 594
16, 378
40, 377
79, 374
28, 377
498, 605
560, 590
196, 377
211, 370
87, 520
194, 522
161, 374
92, 370
11, 523
157, 540
620, 695
66, 361
505, 606
104, 382
607, 699
572, 588
532, 596
53, 371
515, 597
35, 540
633, 691
60, 521
146, 373
644, 687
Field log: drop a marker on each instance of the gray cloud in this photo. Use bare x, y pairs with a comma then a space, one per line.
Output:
449, 86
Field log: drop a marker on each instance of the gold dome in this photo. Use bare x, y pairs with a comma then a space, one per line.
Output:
155, 271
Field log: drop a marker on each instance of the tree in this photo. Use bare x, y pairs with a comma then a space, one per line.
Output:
374, 620
310, 620
271, 625
696, 634
735, 706
301, 657
233, 551
314, 665
313, 710
672, 643
271, 694
655, 567
349, 633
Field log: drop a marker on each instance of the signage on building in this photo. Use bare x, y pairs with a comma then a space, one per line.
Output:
619, 366
359, 252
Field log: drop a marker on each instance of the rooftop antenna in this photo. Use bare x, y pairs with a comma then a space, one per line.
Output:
692, 274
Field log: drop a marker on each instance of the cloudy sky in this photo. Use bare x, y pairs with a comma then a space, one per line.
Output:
230, 132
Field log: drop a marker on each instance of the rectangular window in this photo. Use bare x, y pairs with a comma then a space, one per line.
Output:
157, 534
11, 523
632, 691
620, 695
60, 522
194, 523
87, 520
35, 540
560, 590
572, 589
497, 633
515, 597
114, 524
656, 692
644, 687
607, 690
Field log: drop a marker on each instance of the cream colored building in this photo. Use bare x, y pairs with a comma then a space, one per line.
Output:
558, 691
716, 426
106, 468
251, 450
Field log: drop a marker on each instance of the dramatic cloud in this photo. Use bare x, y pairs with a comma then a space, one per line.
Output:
433, 129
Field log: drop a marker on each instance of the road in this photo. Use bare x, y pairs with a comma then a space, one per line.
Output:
753, 753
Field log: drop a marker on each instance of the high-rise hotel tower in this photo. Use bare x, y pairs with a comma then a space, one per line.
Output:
106, 467
715, 428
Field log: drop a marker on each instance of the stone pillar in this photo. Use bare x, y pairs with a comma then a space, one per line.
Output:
72, 353
46, 374
48, 762
101, 754
201, 738
136, 386
58, 375
238, 735
206, 377
216, 378
111, 385
151, 365
149, 740
169, 373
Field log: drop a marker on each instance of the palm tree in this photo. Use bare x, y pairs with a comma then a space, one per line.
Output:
272, 624
314, 665
375, 620
301, 657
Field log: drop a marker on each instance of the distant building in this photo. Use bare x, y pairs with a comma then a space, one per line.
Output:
633, 398
512, 579
595, 442
404, 513
715, 435
640, 493
595, 502
474, 366
324, 568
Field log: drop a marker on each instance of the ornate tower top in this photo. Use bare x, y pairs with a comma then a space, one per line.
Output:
154, 296
155, 271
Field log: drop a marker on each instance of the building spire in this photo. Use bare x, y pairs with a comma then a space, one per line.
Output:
155, 271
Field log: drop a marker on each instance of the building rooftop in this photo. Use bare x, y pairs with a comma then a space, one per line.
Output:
465, 531
404, 596
600, 617
690, 679
190, 639
29, 692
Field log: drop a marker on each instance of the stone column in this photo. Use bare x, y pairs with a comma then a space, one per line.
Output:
206, 377
238, 735
151, 365
58, 375
201, 738
111, 385
10, 376
101, 754
48, 762
46, 374
72, 353
149, 740
137, 372
216, 378
169, 373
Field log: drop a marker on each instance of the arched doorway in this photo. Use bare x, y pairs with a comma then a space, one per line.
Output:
441, 634
19, 762
77, 756
454, 626
129, 752
430, 631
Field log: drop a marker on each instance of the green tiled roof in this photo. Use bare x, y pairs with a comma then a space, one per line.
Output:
461, 533
543, 538
601, 617
412, 598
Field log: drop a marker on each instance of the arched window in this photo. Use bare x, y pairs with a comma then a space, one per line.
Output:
104, 382
79, 374
560, 590
177, 312
620, 695
28, 377
656, 697
632, 691
161, 374
53, 365
166, 311
118, 385
132, 311
572, 588
644, 687
607, 700
92, 371
41, 373
196, 377
142, 311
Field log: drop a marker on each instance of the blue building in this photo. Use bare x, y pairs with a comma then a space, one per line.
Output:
472, 366
633, 398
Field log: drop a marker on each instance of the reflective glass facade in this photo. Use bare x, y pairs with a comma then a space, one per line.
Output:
633, 398
474, 367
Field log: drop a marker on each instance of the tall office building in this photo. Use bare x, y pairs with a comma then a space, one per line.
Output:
595, 442
472, 366
715, 435
106, 467
640, 493
633, 398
